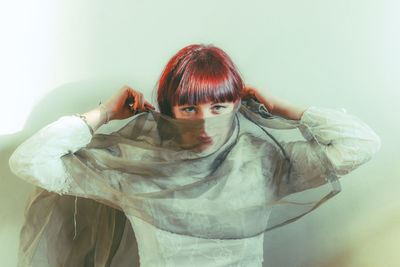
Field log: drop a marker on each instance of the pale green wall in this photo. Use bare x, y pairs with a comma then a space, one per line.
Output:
63, 58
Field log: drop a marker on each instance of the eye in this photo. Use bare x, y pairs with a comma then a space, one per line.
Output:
188, 109
219, 108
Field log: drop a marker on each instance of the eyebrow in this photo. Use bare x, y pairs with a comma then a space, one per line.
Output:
219, 103
193, 105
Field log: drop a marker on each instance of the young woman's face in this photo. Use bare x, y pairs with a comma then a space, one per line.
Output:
210, 133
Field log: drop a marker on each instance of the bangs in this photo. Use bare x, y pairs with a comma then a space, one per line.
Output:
202, 83
198, 74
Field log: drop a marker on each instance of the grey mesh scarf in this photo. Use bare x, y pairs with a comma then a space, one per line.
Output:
153, 169
246, 184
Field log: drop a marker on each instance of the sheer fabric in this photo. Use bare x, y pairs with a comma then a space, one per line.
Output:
62, 230
250, 181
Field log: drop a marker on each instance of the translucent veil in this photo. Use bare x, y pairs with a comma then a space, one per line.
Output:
260, 172
245, 183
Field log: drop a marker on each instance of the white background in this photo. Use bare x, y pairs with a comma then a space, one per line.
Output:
62, 57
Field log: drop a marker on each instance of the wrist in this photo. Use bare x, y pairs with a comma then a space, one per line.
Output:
95, 118
262, 97
105, 114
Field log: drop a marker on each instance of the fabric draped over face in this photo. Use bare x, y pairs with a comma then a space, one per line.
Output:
243, 184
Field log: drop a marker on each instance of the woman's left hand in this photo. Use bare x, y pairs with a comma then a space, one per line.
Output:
261, 95
275, 105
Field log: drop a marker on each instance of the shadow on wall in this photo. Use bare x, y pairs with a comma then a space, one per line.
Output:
67, 99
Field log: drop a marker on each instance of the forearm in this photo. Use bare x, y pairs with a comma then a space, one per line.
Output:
347, 141
288, 110
96, 117
38, 159
336, 143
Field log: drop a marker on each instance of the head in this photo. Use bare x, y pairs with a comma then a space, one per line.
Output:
199, 82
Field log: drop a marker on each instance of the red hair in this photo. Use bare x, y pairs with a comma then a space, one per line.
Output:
198, 74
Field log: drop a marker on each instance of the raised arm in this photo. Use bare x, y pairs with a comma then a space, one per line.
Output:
38, 159
274, 104
334, 141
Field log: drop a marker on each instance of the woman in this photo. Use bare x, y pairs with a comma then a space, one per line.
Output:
198, 182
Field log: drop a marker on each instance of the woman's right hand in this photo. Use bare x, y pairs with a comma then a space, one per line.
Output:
125, 103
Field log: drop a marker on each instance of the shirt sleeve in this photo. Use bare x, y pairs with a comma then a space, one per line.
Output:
38, 159
335, 142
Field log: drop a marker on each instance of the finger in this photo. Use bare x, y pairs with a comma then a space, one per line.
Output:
249, 93
141, 107
138, 100
147, 104
135, 102
126, 88
245, 95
